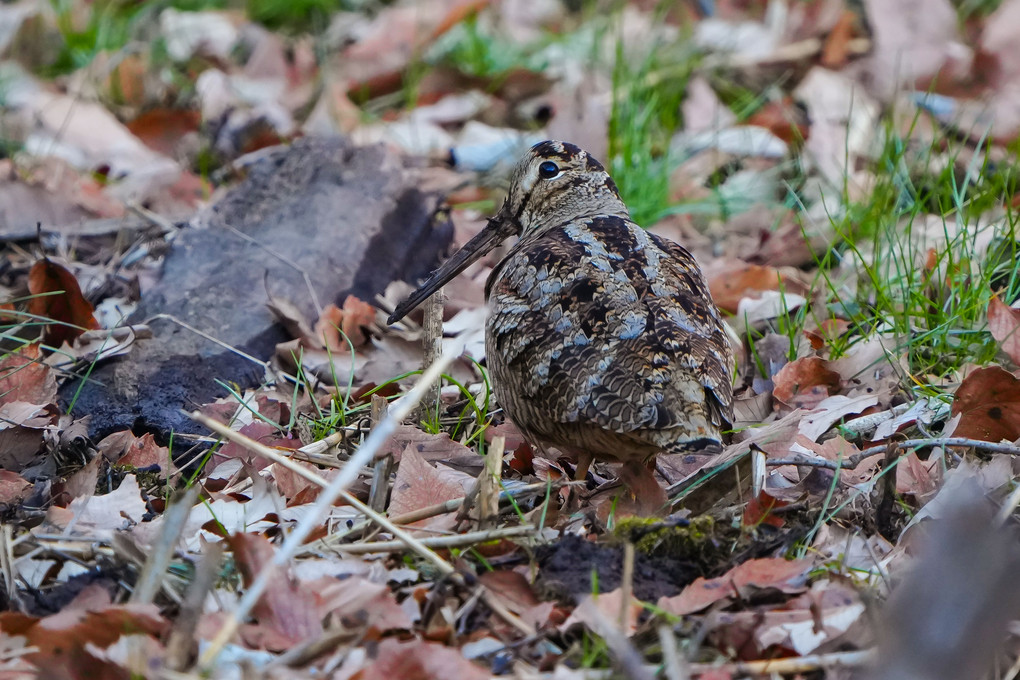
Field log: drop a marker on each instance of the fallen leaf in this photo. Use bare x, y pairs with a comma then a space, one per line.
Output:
124, 448
57, 296
419, 485
13, 487
418, 660
805, 382
64, 642
773, 572
286, 613
516, 594
988, 401
836, 47
1004, 325
732, 284
358, 601
600, 612
102, 516
23, 377
335, 324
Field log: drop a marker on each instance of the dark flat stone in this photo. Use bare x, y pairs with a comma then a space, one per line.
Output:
351, 219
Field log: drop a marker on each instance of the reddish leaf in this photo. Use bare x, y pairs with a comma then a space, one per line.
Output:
988, 401
286, 613
782, 119
1004, 325
24, 378
836, 48
419, 485
417, 660
773, 572
162, 129
13, 487
350, 321
730, 287
805, 382
124, 448
759, 511
63, 640
57, 296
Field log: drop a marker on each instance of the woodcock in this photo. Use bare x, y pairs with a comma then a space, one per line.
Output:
602, 339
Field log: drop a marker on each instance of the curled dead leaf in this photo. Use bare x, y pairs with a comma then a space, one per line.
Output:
57, 296
23, 377
988, 402
806, 382
1004, 325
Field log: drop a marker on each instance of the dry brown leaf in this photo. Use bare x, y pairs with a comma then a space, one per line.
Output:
1004, 325
787, 576
598, 612
358, 599
64, 642
23, 377
732, 284
417, 660
13, 487
805, 382
124, 448
988, 401
351, 321
286, 613
419, 485
514, 591
57, 296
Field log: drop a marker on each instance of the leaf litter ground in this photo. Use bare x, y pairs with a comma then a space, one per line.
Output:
860, 235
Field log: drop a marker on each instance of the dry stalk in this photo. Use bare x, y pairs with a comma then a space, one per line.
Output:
383, 466
488, 484
453, 541
850, 462
174, 519
432, 349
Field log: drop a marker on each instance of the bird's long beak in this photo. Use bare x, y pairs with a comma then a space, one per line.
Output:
500, 227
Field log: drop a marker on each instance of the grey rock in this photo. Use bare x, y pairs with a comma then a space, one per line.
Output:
350, 219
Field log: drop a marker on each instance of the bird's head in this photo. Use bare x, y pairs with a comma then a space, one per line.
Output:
554, 183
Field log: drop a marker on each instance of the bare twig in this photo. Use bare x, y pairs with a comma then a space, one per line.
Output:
381, 470
454, 541
180, 646
488, 484
788, 666
432, 348
674, 665
626, 583
853, 461
163, 551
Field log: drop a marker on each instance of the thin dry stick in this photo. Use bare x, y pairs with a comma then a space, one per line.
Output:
674, 664
787, 666
163, 551
320, 509
488, 484
381, 470
626, 583
853, 461
323, 445
182, 635
452, 541
432, 349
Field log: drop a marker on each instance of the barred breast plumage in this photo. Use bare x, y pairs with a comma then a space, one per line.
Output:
602, 339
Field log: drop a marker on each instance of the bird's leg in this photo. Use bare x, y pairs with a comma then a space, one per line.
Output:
640, 480
584, 459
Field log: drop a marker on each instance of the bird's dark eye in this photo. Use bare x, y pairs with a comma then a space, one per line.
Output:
548, 170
